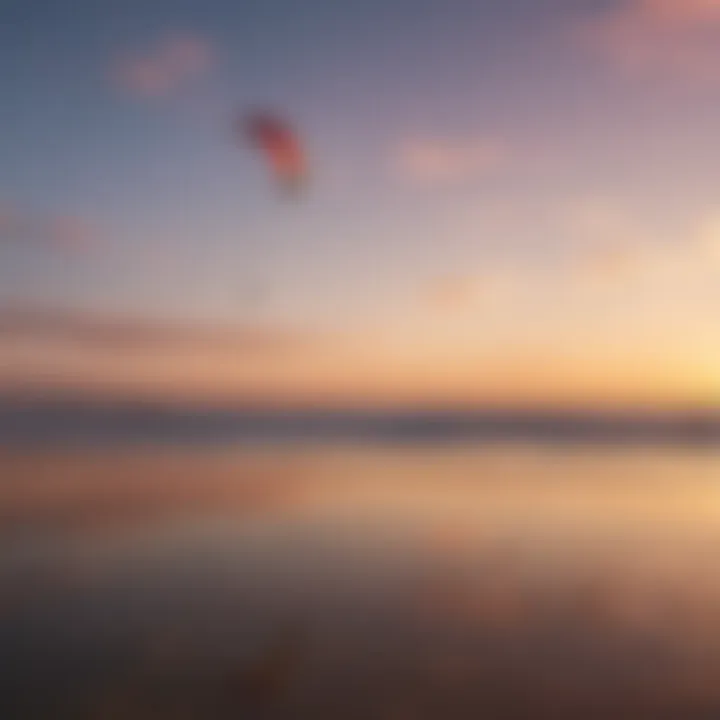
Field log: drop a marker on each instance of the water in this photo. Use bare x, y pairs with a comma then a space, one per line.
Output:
352, 580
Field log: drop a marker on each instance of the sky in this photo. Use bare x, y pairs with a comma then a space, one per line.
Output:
507, 202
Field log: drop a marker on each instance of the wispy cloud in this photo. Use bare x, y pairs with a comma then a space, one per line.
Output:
100, 354
451, 292
613, 244
442, 161
609, 237
677, 39
68, 232
596, 218
73, 233
169, 63
117, 332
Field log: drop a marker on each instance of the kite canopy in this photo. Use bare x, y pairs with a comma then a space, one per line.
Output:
281, 147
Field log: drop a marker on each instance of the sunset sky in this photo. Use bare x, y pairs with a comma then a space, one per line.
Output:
509, 201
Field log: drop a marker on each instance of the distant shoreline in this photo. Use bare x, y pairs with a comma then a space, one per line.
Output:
85, 423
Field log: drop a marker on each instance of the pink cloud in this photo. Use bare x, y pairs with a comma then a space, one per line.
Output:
169, 64
471, 291
451, 292
669, 38
648, 261
71, 233
437, 161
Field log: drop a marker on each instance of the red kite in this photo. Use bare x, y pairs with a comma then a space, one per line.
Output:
281, 147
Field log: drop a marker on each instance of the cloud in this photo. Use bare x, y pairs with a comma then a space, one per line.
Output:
677, 39
612, 263
437, 161
465, 292
614, 245
97, 353
67, 232
596, 218
451, 292
606, 237
171, 62
73, 233
126, 333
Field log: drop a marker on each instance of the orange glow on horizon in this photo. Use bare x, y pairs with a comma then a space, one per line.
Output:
347, 378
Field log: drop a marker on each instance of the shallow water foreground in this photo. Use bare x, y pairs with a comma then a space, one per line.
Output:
360, 582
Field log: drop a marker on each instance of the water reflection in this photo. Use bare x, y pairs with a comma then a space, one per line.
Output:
361, 583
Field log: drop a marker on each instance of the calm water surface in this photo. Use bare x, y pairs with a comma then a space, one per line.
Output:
361, 582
